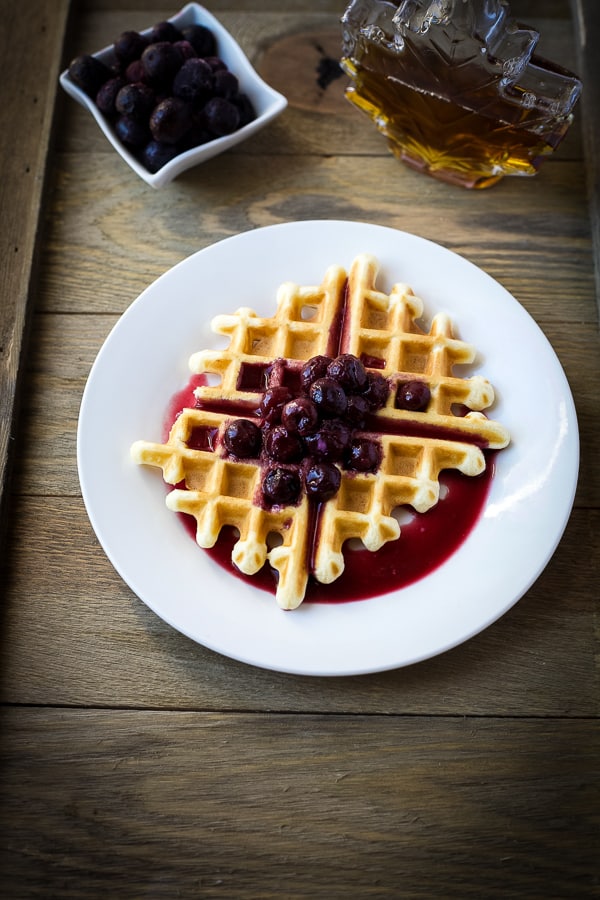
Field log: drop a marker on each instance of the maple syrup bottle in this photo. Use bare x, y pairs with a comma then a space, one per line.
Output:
456, 88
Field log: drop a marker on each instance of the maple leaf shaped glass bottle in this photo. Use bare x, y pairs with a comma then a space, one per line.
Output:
455, 86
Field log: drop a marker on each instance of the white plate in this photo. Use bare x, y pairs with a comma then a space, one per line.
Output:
268, 103
143, 363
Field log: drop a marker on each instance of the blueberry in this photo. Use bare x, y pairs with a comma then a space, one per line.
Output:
349, 371
164, 31
221, 116
322, 481
185, 49
363, 455
132, 132
300, 416
329, 397
225, 84
170, 120
161, 61
129, 46
281, 486
201, 38
247, 111
377, 391
413, 396
330, 442
314, 368
272, 403
196, 136
357, 410
89, 74
243, 438
194, 81
106, 96
215, 62
135, 100
135, 71
283, 446
156, 155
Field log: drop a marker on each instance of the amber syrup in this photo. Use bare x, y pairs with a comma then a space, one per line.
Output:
471, 146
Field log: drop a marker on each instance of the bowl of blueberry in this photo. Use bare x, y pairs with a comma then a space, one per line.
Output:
174, 95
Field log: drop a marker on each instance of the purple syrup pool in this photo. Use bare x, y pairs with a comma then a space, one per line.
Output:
426, 541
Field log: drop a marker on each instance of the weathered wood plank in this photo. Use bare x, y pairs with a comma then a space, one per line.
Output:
98, 257
80, 637
27, 92
155, 805
587, 18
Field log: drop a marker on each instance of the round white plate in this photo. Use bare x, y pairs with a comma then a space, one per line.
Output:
143, 363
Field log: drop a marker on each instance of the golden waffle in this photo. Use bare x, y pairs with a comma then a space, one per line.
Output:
342, 315
218, 491
363, 506
384, 328
303, 326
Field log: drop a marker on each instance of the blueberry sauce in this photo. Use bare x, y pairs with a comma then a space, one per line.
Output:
426, 542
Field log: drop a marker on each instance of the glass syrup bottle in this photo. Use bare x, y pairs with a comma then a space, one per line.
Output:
455, 87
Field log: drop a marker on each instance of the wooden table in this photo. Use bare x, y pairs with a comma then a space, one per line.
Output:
138, 764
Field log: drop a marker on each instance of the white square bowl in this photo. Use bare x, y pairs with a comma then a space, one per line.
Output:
266, 101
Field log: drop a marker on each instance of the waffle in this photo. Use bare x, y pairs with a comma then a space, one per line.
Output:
384, 329
304, 325
344, 314
218, 492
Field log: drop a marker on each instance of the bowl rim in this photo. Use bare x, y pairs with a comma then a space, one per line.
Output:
267, 101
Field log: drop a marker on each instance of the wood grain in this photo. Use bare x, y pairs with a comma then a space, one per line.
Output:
240, 807
27, 92
69, 630
587, 21
543, 260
